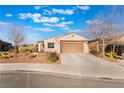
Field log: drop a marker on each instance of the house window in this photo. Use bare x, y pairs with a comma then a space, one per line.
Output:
50, 45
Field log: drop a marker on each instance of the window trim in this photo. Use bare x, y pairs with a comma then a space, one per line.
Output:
51, 46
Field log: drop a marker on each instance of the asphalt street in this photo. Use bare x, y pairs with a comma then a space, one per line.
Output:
24, 79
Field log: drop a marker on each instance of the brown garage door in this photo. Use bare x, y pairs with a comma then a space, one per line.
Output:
71, 47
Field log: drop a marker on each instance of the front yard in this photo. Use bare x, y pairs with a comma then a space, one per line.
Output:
29, 58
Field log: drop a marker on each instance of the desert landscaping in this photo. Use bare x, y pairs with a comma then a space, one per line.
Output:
28, 54
9, 57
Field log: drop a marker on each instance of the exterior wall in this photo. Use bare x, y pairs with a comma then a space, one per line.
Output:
52, 40
57, 40
41, 47
86, 47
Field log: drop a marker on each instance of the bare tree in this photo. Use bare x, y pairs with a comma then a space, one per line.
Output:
115, 36
107, 27
99, 29
109, 31
17, 36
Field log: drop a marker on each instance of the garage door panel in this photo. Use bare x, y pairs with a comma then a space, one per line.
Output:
71, 47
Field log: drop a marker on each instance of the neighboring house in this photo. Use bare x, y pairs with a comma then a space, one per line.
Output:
68, 43
5, 46
119, 46
121, 39
96, 44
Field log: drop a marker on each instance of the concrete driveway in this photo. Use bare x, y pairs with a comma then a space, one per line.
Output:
76, 65
91, 66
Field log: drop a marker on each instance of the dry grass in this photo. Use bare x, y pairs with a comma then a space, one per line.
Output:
22, 58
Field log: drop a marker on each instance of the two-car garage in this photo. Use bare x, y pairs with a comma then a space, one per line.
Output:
72, 46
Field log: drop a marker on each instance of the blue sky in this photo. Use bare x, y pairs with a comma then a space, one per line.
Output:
42, 22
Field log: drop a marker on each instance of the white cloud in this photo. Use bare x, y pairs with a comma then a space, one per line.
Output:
37, 7
35, 17
8, 15
63, 25
47, 12
62, 11
47, 24
59, 11
84, 7
38, 18
47, 29
62, 18
49, 20
95, 21
25, 15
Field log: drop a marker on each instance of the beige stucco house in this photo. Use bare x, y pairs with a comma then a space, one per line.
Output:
67, 43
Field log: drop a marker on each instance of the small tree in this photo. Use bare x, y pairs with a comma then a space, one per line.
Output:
17, 36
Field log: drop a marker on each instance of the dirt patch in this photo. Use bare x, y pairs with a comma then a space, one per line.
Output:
23, 58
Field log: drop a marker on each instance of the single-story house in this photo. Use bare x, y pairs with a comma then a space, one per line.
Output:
67, 43
5, 46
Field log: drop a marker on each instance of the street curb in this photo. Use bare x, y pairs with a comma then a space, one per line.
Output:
64, 75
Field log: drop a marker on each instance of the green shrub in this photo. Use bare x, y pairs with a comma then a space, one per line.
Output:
53, 57
5, 55
94, 52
